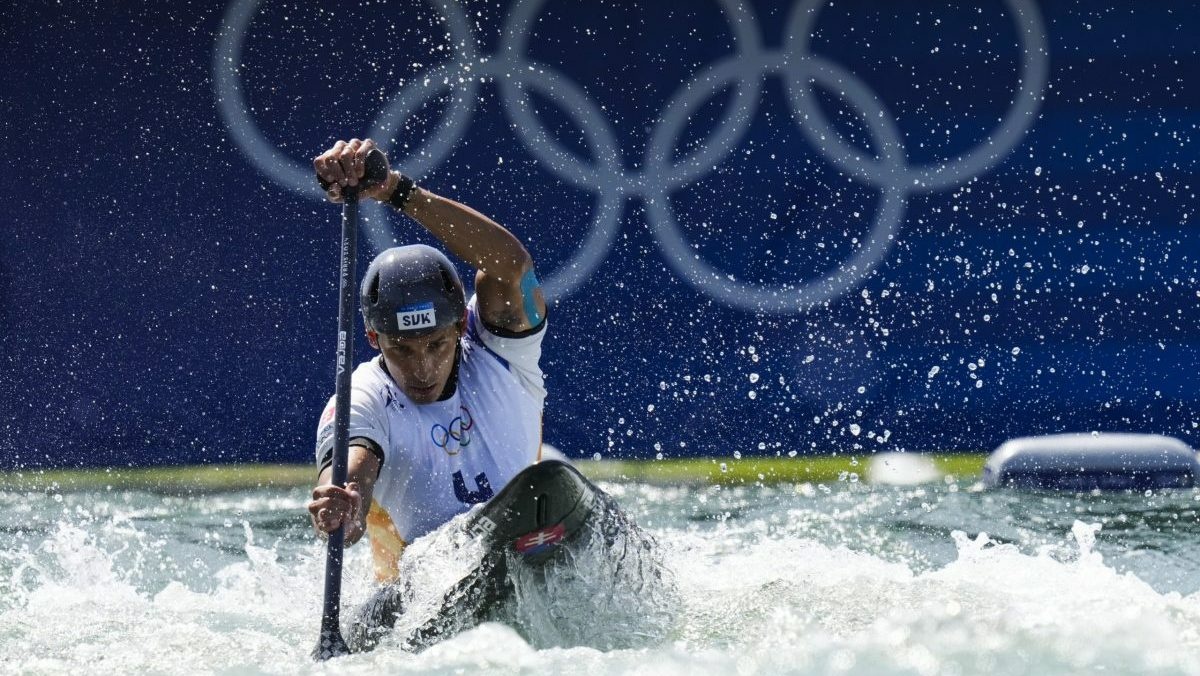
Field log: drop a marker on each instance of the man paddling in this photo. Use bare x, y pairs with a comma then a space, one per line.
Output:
451, 408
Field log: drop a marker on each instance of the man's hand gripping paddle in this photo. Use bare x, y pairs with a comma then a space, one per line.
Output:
331, 643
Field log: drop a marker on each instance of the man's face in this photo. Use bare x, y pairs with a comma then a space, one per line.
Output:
420, 366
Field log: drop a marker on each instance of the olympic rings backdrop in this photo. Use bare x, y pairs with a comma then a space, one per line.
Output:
764, 227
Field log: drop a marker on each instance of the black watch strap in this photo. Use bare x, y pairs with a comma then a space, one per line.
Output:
404, 189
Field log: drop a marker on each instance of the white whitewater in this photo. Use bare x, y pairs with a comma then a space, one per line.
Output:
848, 579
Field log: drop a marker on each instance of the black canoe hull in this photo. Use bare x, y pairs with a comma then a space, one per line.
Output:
544, 506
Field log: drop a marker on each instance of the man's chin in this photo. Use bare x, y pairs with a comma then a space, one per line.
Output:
420, 396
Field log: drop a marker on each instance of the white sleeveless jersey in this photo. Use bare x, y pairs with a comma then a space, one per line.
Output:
442, 458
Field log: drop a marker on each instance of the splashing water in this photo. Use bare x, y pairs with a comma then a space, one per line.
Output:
853, 579
612, 567
615, 571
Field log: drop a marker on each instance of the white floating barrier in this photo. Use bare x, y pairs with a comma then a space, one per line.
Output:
1083, 462
901, 469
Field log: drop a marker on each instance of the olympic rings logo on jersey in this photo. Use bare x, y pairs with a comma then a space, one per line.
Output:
515, 74
457, 436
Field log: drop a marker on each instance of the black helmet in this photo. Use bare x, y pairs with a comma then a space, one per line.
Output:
411, 291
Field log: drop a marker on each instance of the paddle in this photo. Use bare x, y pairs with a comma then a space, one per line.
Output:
331, 643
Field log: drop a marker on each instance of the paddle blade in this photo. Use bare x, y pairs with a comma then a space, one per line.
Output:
330, 645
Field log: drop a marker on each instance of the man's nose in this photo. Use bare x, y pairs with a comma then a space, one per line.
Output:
424, 368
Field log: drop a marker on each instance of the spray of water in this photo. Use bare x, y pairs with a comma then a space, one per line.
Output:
200, 591
615, 570
452, 581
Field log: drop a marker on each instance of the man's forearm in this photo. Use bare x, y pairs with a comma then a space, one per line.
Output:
473, 237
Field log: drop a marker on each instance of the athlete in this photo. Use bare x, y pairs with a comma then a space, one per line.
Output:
451, 408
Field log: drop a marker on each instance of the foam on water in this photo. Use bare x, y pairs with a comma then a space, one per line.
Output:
612, 567
98, 590
615, 570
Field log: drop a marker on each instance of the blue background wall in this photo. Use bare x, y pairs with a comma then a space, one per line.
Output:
167, 274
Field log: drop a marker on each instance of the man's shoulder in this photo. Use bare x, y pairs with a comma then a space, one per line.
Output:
479, 359
372, 387
368, 375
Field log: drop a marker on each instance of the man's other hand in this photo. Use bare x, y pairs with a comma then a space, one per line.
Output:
332, 507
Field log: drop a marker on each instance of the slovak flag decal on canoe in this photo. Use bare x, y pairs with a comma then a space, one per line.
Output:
540, 540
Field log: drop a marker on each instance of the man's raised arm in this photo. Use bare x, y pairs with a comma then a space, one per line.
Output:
510, 297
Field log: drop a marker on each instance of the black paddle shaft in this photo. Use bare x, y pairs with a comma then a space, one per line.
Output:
331, 643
